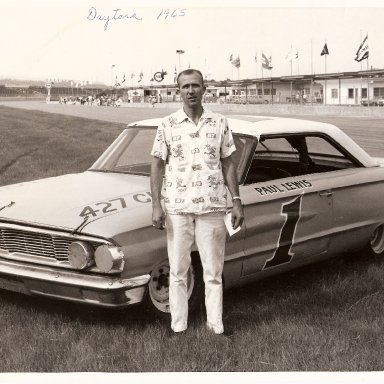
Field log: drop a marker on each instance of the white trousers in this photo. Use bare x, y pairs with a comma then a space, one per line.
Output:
209, 233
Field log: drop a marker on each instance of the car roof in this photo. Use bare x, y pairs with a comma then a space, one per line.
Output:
257, 125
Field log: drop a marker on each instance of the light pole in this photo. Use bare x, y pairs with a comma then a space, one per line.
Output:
180, 52
113, 66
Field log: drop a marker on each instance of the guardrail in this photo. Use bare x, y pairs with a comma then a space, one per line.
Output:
294, 109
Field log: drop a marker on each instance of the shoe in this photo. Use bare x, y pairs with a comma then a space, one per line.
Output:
226, 334
173, 335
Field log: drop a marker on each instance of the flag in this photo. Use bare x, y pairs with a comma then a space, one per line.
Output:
266, 62
325, 50
123, 79
290, 56
297, 55
236, 62
363, 51
141, 77
256, 57
231, 58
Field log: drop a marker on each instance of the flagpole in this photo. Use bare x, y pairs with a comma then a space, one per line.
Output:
368, 75
361, 78
298, 69
325, 61
262, 79
256, 77
325, 80
311, 59
256, 63
367, 56
361, 40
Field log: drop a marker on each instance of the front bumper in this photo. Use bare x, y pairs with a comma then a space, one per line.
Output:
106, 291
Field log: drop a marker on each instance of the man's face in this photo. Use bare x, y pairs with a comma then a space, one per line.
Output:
191, 89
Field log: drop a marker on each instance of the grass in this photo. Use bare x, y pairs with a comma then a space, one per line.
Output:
324, 317
37, 144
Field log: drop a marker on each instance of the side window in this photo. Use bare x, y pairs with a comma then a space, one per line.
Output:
326, 156
274, 158
295, 155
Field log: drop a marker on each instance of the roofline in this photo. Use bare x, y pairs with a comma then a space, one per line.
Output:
267, 126
371, 73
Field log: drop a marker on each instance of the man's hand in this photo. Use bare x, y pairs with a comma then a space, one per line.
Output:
157, 171
237, 214
158, 217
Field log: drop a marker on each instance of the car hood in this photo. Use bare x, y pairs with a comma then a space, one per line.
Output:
95, 203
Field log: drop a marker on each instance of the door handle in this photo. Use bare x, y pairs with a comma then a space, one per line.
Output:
326, 193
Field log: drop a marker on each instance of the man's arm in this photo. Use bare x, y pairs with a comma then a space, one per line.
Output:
157, 172
230, 177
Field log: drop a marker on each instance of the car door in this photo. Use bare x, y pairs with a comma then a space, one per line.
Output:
355, 189
288, 213
235, 245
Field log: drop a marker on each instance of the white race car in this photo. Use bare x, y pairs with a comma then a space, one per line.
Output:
309, 193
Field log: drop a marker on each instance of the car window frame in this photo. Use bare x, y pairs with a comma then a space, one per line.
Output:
241, 178
348, 155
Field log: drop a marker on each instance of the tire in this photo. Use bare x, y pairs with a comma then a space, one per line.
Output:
376, 242
157, 297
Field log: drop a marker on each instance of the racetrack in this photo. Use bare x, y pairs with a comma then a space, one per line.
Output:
367, 132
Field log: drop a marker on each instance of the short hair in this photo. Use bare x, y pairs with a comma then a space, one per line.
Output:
190, 72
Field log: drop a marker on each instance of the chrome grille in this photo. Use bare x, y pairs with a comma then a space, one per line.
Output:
36, 243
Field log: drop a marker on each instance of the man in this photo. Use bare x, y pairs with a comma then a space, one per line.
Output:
194, 147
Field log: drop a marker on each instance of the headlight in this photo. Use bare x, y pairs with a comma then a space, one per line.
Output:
109, 259
80, 255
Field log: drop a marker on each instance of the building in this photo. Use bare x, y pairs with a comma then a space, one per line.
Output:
349, 88
344, 88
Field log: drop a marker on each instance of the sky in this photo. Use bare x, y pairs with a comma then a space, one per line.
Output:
72, 40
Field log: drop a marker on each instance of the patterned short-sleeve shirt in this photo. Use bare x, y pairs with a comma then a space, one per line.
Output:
194, 181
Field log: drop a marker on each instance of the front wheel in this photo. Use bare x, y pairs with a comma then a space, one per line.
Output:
157, 299
376, 242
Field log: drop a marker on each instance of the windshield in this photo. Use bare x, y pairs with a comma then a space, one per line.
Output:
129, 153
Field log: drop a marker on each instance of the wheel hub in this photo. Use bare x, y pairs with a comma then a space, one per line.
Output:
159, 284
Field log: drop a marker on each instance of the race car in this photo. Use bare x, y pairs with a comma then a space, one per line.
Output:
309, 193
